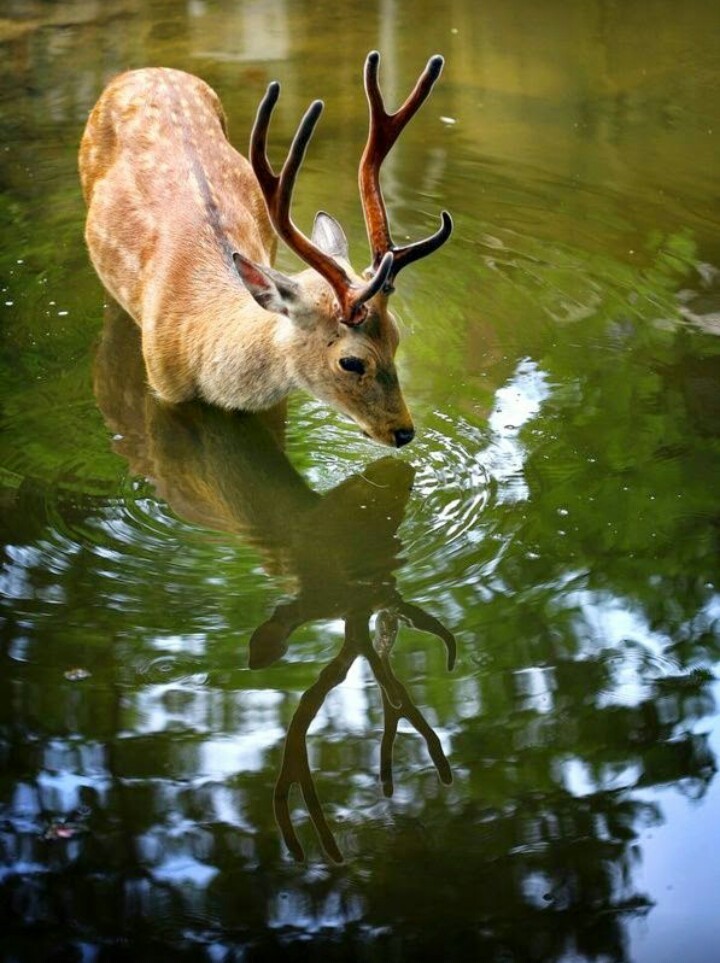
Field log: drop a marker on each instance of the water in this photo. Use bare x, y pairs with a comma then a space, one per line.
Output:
201, 611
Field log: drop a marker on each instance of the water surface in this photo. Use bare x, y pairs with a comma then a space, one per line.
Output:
203, 612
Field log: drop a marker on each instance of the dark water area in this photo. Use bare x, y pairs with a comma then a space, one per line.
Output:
269, 692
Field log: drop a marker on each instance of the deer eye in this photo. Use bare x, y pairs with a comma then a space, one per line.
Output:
353, 364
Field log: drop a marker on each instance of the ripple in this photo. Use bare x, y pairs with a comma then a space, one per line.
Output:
452, 487
178, 669
326, 446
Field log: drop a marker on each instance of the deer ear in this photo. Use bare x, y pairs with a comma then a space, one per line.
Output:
329, 236
272, 290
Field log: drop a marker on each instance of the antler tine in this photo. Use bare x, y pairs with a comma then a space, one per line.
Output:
267, 179
384, 130
278, 189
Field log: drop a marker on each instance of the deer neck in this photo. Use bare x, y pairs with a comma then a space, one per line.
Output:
245, 357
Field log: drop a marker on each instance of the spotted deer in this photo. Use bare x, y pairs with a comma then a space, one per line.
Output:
183, 231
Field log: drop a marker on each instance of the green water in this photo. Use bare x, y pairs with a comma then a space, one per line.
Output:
199, 609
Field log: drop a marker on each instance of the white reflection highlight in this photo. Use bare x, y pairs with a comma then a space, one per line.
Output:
579, 780
183, 870
347, 707
516, 403
607, 623
222, 758
535, 686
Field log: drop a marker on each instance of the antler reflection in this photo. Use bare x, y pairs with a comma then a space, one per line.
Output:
396, 703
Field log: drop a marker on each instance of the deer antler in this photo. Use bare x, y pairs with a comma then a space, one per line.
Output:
384, 131
386, 630
277, 191
295, 765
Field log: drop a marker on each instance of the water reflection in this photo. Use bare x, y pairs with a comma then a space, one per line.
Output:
339, 550
396, 702
561, 723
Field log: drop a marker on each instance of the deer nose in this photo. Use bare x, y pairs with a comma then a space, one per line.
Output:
403, 436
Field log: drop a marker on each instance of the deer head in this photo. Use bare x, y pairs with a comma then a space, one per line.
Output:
344, 337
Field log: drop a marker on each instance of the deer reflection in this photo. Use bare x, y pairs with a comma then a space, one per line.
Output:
228, 471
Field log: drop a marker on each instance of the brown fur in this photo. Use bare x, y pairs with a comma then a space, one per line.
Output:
169, 203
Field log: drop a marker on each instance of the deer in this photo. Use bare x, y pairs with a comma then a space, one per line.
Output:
183, 230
